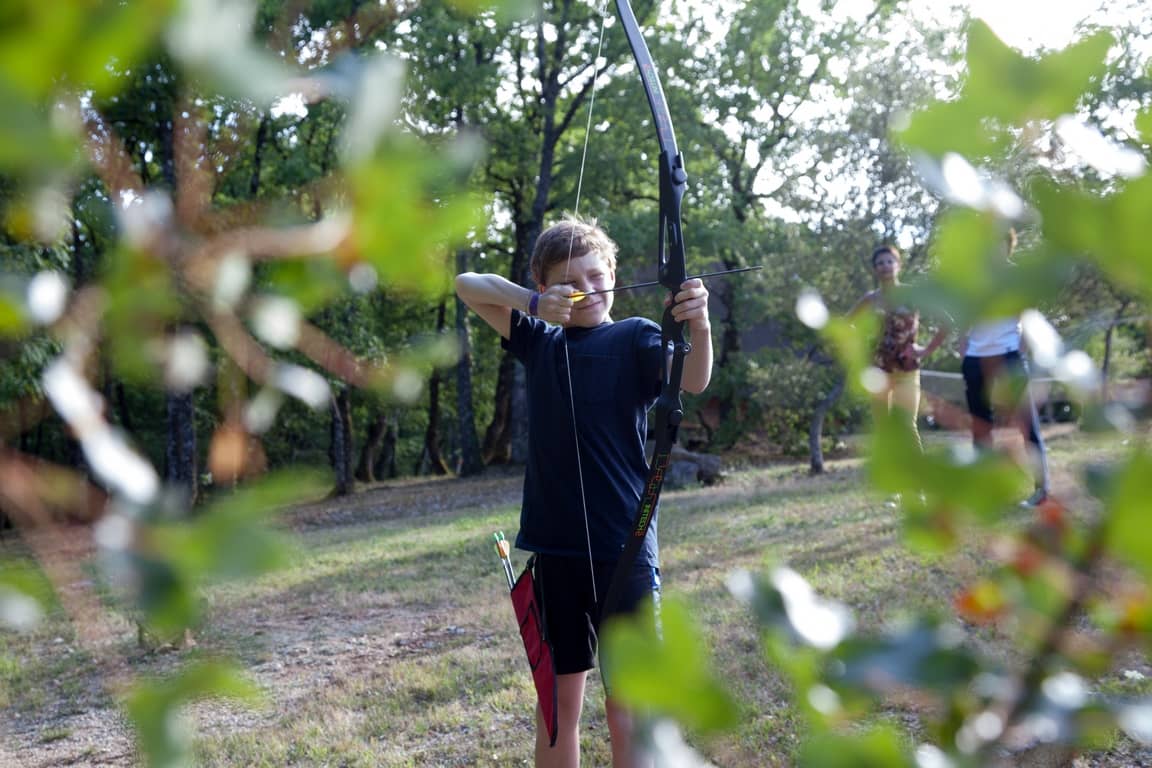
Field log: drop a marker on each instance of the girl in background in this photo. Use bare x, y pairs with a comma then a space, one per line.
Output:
897, 353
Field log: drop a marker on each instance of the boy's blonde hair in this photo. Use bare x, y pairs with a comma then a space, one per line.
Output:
571, 237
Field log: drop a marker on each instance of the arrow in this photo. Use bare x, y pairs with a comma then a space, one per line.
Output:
581, 295
502, 549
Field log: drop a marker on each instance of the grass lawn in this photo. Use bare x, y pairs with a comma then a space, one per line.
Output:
390, 640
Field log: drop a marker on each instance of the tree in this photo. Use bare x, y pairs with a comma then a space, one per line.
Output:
432, 457
471, 461
207, 245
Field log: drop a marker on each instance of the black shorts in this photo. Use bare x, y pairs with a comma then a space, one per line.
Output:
980, 376
572, 614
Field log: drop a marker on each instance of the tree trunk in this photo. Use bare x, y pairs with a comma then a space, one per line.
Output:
729, 332
386, 463
38, 444
497, 447
31, 412
180, 453
471, 462
123, 413
182, 468
114, 395
73, 452
262, 132
729, 342
432, 452
1105, 365
369, 454
340, 447
507, 436
816, 427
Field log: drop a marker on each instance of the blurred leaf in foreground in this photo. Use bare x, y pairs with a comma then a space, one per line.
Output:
1004, 88
666, 670
877, 747
1129, 535
171, 561
25, 595
155, 709
1110, 229
82, 47
406, 214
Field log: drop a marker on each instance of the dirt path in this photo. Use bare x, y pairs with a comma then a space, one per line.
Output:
414, 497
303, 650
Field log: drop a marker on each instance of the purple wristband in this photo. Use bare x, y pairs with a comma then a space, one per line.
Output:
534, 304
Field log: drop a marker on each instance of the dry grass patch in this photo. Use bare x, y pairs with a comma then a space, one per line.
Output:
390, 640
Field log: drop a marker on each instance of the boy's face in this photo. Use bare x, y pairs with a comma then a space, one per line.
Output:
585, 273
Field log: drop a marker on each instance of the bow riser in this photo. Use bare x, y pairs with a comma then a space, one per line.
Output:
673, 183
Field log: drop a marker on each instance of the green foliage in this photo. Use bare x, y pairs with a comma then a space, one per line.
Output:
940, 486
779, 392
227, 540
141, 301
155, 708
877, 747
186, 202
83, 47
75, 42
1128, 535
660, 669
312, 283
25, 595
1004, 89
974, 281
1107, 228
404, 218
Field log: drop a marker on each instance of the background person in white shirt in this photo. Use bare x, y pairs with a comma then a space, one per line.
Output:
996, 376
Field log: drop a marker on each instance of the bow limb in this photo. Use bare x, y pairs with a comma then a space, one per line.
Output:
669, 410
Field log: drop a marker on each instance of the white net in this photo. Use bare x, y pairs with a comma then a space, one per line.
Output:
943, 404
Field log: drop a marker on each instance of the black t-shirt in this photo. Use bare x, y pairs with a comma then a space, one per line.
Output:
615, 380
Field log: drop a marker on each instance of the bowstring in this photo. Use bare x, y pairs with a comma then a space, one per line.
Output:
567, 268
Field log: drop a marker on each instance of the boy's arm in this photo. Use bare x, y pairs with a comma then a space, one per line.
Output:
493, 297
692, 307
698, 362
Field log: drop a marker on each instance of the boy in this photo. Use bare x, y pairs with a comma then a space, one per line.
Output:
590, 384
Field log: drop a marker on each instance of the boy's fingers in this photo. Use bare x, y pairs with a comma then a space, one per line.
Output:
688, 309
691, 289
